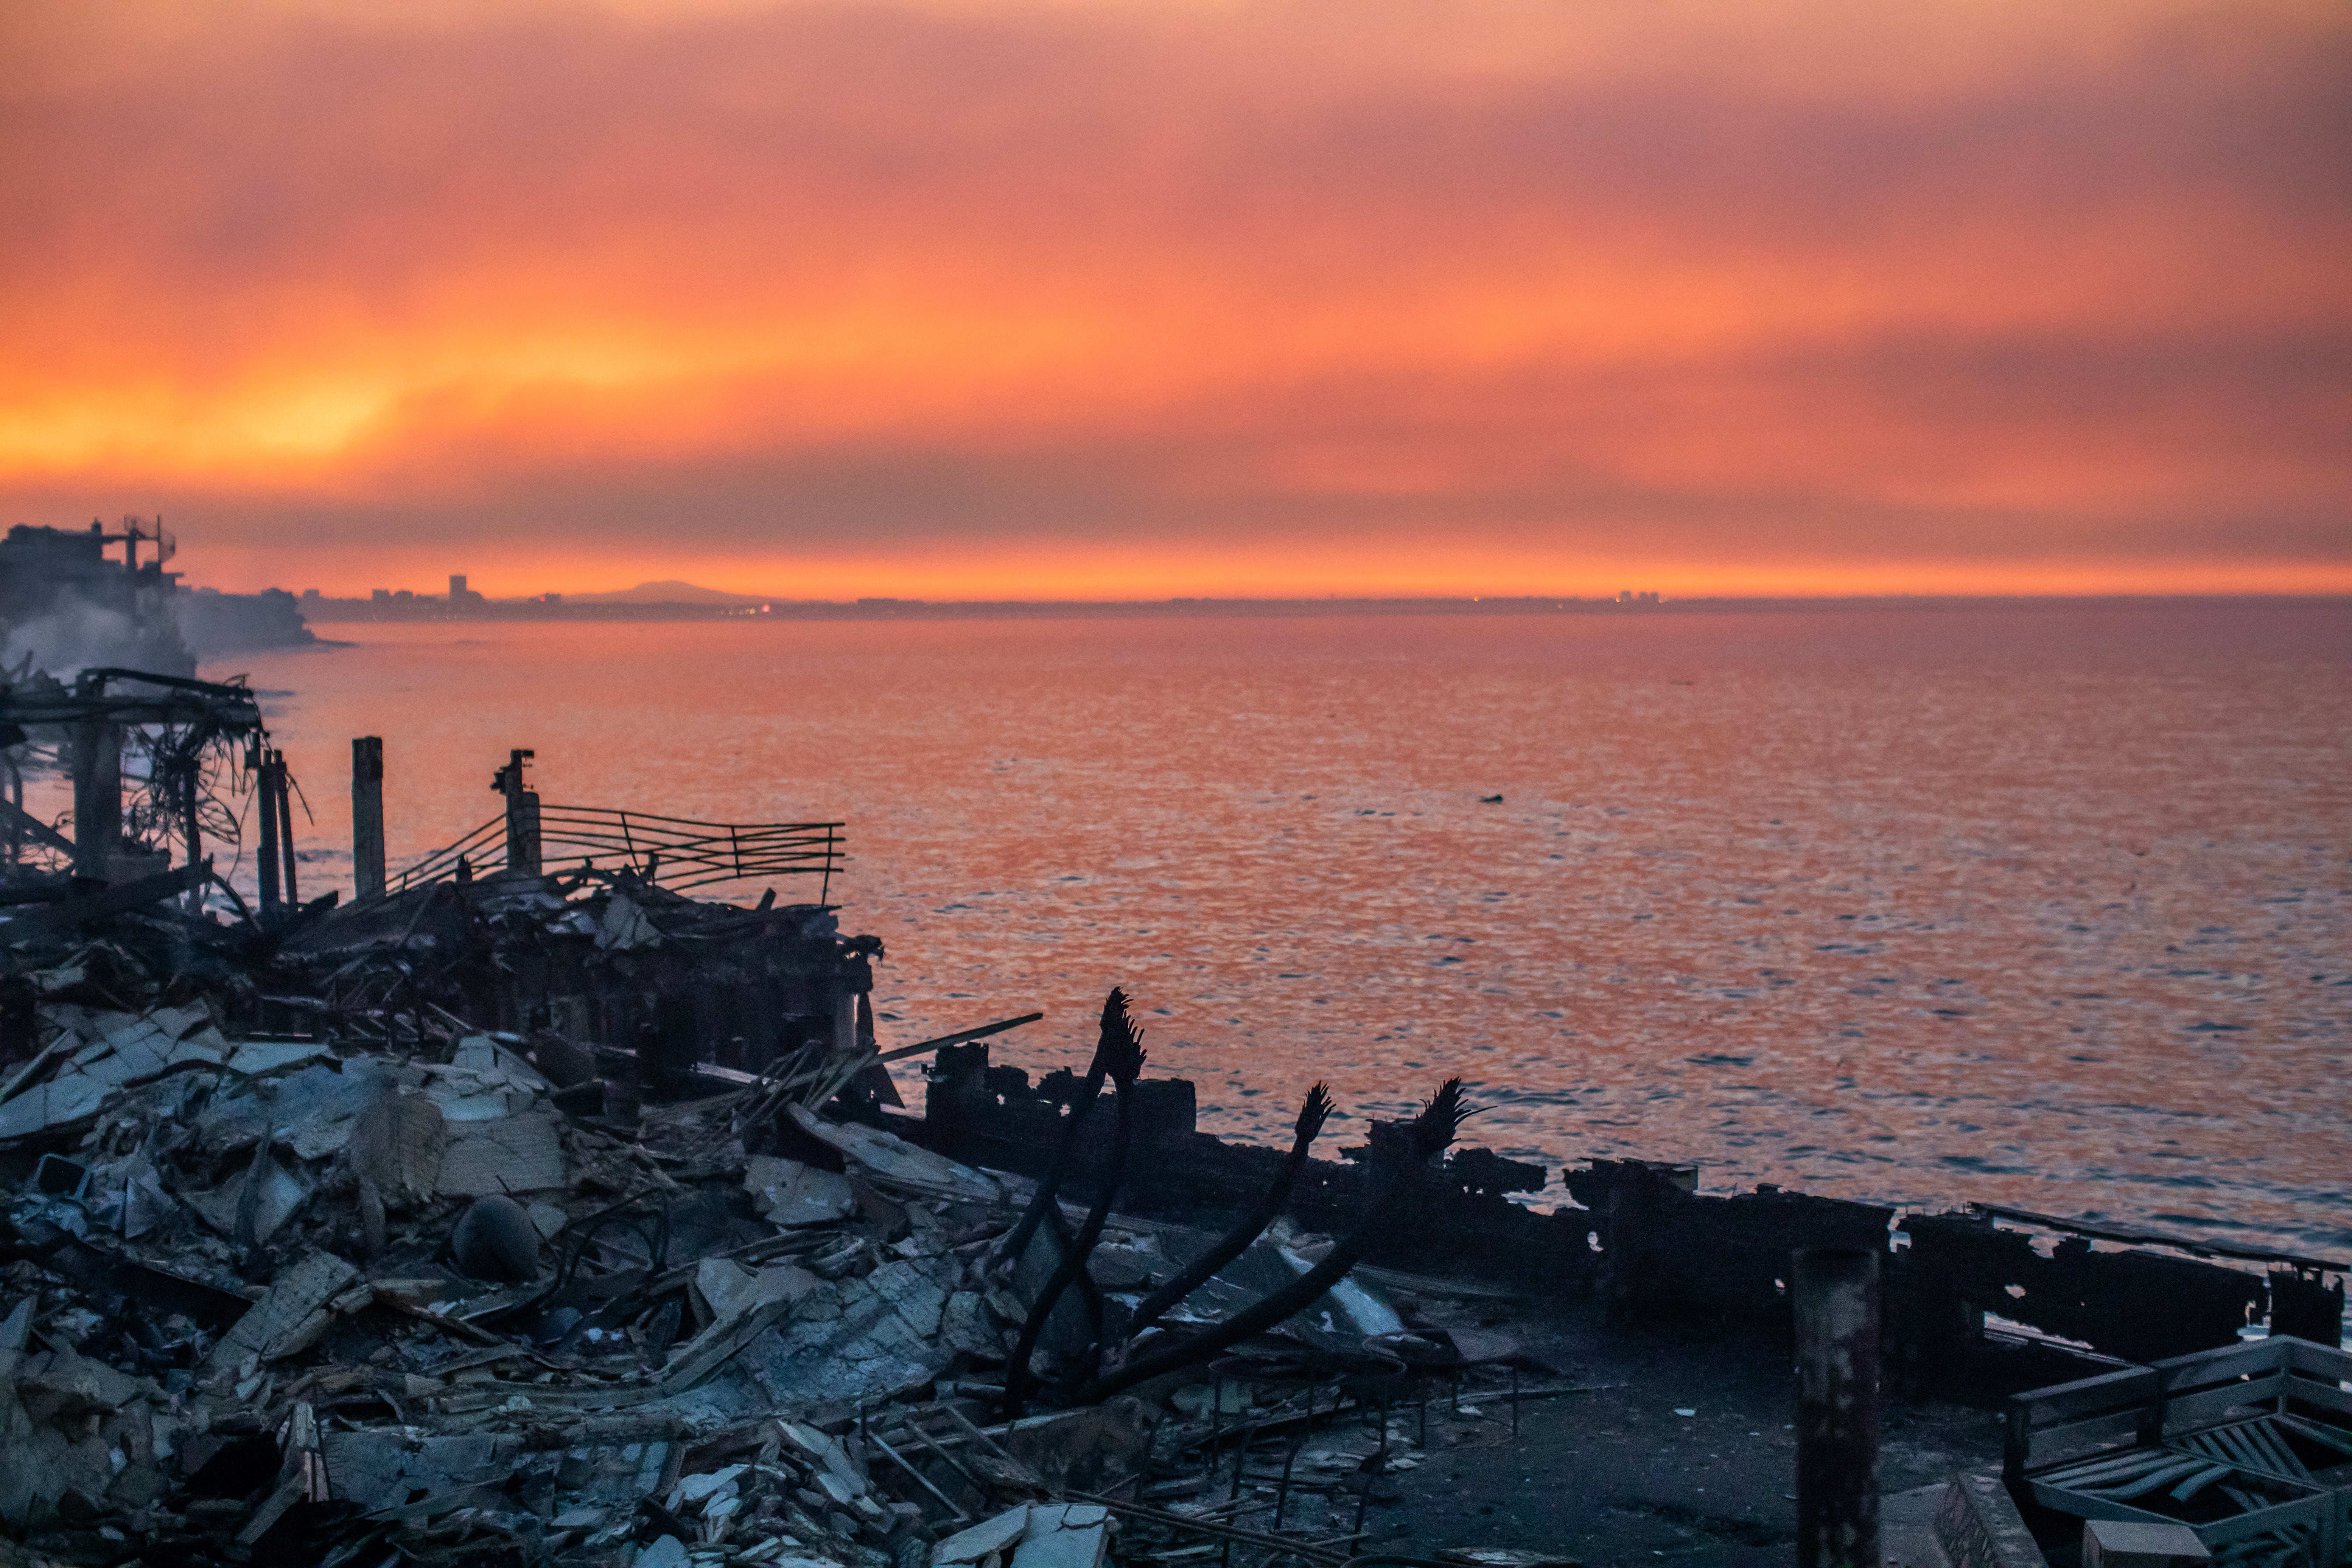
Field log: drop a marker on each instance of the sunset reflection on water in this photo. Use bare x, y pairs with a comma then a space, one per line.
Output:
2040, 907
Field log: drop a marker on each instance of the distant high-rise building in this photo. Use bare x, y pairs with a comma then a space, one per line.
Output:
380, 595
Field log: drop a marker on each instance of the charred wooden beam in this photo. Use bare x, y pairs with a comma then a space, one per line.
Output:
367, 816
1836, 1291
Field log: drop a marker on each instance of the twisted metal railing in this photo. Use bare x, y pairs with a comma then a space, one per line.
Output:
675, 852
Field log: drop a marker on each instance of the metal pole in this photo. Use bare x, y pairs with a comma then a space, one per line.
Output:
1836, 1299
367, 816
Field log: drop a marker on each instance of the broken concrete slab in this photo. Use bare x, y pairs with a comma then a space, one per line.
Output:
1063, 1535
53, 1106
891, 1158
511, 1154
255, 1057
251, 1206
968, 1327
311, 1111
861, 1339
790, 1192
975, 1543
63, 1384
397, 1143
729, 1290
390, 1466
295, 1306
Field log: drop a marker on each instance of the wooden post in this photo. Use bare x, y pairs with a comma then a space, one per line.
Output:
16, 798
286, 833
1836, 1296
522, 813
98, 796
367, 816
265, 775
189, 795
844, 1025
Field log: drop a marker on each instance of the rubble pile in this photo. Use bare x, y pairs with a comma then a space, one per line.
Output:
389, 1287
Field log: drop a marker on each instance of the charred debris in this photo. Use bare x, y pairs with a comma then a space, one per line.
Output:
529, 1209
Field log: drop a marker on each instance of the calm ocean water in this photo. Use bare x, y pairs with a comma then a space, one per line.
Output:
2045, 907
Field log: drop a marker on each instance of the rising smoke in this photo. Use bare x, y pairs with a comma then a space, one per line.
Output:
72, 634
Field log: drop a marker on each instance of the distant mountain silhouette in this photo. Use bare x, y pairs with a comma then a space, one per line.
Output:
669, 590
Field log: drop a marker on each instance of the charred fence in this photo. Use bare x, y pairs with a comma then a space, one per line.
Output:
1967, 1296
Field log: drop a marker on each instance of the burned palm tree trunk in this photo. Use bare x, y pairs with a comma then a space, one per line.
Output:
1016, 1241
1236, 1241
1121, 1054
1430, 1133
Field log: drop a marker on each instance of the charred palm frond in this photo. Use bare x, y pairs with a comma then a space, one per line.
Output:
1440, 1119
1121, 1054
1431, 1132
1016, 1242
1236, 1241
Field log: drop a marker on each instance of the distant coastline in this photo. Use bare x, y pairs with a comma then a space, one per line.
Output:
317, 608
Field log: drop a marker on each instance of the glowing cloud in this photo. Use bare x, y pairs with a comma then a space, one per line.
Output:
1099, 300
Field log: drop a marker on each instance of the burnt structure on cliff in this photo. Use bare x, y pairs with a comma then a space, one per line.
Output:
65, 605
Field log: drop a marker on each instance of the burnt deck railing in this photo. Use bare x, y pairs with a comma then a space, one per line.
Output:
677, 852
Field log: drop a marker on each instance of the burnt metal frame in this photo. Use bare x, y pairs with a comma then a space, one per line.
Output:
702, 852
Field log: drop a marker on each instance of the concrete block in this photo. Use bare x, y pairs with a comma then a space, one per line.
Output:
2136, 1543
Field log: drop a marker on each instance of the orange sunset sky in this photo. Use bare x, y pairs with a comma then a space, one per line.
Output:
1179, 297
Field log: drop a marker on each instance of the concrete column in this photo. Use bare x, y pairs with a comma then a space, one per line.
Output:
367, 816
1836, 1296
